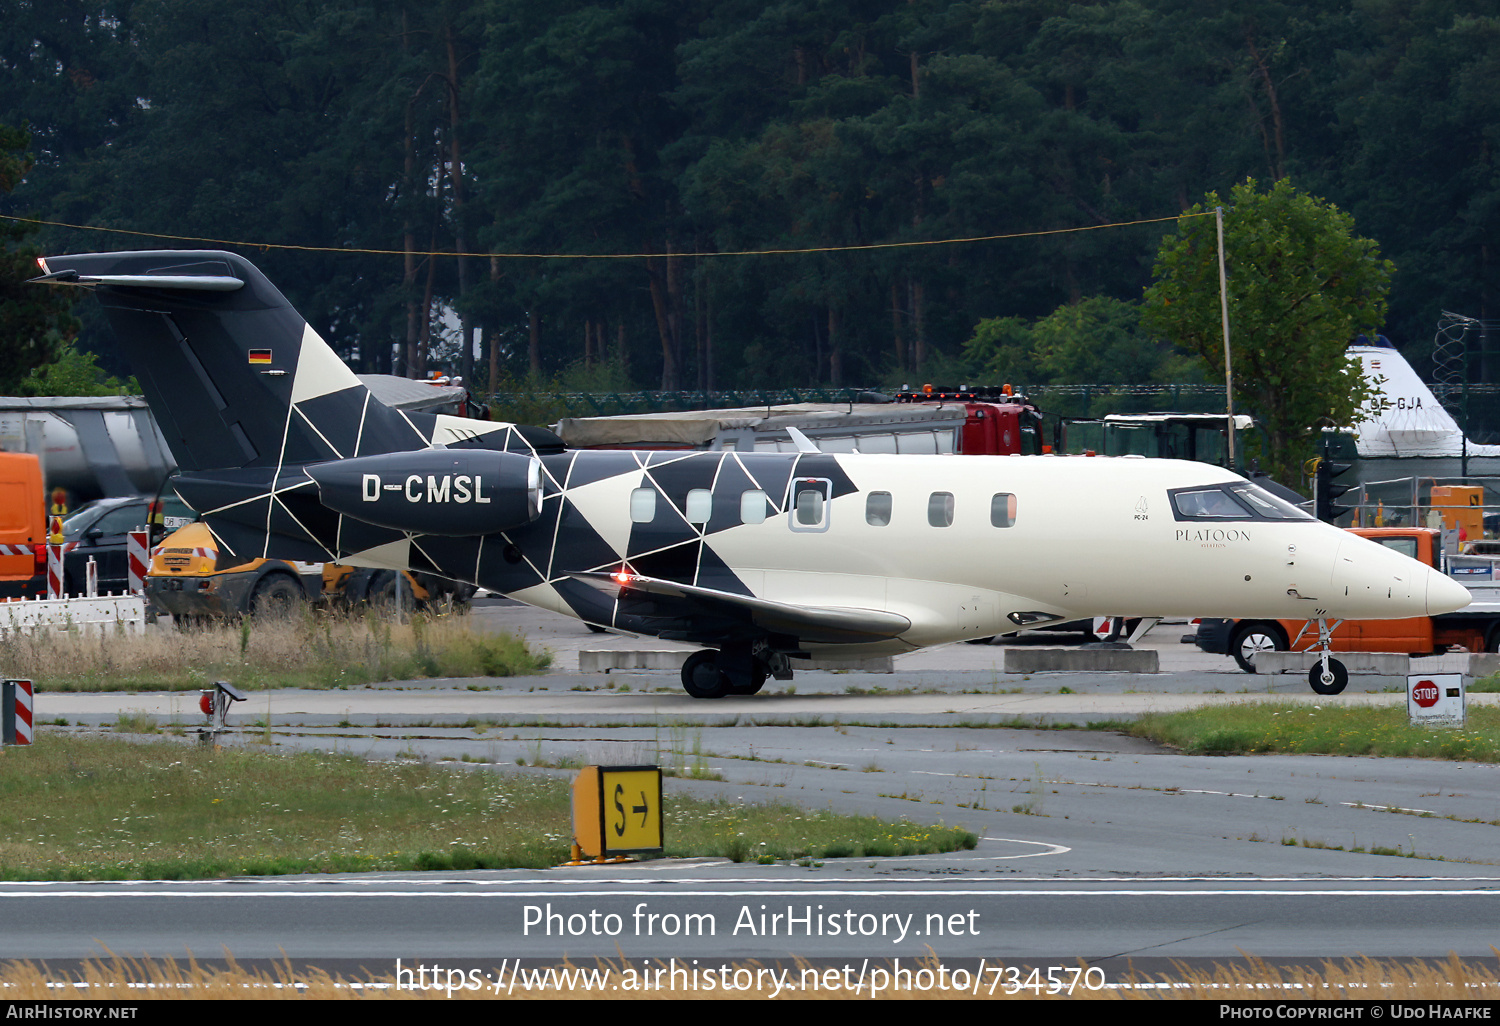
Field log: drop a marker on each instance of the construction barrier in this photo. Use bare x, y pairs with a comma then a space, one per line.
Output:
91, 615
138, 555
55, 552
15, 712
55, 571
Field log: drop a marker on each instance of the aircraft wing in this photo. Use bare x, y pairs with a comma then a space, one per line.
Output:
813, 624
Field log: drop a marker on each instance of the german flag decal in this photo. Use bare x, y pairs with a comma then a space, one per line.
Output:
260, 356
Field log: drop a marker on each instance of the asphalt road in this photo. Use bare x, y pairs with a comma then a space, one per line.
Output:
1094, 845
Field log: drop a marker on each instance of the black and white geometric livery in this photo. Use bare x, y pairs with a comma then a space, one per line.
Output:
766, 557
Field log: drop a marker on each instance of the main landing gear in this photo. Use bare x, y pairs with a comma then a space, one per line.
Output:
737, 669
1328, 676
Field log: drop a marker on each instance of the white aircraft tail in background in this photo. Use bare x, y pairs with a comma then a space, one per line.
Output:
1413, 422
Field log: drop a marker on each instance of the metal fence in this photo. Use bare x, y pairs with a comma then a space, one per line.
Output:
1409, 501
1483, 414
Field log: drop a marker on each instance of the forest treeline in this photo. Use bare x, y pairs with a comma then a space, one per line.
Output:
673, 130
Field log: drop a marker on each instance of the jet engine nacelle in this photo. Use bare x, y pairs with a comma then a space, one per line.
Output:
454, 492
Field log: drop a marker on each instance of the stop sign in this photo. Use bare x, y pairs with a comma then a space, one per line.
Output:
1435, 699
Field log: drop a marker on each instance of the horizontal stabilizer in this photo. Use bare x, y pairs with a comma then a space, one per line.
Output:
193, 282
814, 625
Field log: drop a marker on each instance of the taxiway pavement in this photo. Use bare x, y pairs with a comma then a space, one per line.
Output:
1093, 844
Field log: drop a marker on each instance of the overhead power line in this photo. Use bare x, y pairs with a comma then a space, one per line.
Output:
791, 251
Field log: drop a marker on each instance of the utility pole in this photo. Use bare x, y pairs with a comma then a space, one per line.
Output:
1224, 317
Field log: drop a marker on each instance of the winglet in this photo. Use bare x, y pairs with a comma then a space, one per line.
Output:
803, 443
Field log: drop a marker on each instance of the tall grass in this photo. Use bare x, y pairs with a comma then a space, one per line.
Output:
312, 649
85, 808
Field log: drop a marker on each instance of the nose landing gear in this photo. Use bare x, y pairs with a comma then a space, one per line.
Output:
1328, 676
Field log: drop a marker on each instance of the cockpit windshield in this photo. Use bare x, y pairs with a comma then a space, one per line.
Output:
1234, 500
1209, 504
1270, 506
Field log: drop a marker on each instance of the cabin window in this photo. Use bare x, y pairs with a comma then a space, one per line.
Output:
700, 505
810, 497
809, 507
878, 509
940, 509
753, 506
643, 505
1002, 509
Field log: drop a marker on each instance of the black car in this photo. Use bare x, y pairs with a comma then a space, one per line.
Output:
101, 531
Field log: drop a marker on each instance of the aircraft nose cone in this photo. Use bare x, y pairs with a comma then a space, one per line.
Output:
1371, 581
1444, 594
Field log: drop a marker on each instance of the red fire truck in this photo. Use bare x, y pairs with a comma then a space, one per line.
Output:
973, 421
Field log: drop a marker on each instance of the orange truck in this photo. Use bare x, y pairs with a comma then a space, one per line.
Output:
23, 527
1474, 629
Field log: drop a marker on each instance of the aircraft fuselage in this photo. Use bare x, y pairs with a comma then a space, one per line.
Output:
961, 547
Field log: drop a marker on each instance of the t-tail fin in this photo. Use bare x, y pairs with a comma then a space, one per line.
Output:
1411, 422
235, 376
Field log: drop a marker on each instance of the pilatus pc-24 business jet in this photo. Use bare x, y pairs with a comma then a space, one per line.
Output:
762, 558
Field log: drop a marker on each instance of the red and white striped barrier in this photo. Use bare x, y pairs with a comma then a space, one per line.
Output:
138, 556
55, 577
15, 712
55, 551
55, 571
